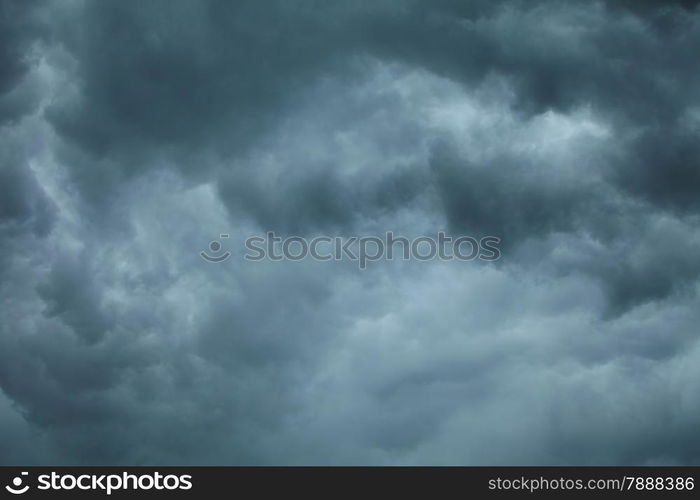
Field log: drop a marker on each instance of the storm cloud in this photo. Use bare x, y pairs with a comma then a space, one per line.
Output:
134, 133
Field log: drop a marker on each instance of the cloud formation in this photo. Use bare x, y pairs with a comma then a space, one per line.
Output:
132, 134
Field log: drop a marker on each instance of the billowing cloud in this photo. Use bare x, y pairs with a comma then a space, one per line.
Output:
131, 135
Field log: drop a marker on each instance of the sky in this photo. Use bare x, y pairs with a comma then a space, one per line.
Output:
134, 133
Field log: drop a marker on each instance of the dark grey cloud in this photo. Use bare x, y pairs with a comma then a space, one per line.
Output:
24, 205
180, 78
199, 92
20, 27
132, 134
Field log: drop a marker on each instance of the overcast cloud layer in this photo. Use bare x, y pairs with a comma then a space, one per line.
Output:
133, 133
